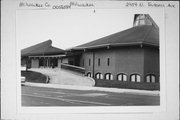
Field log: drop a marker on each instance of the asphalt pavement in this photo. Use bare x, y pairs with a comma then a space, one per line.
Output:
42, 96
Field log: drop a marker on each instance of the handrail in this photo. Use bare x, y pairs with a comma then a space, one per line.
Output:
73, 68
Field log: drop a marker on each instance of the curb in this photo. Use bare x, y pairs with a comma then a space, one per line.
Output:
113, 90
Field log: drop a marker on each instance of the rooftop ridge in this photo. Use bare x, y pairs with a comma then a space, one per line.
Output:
137, 34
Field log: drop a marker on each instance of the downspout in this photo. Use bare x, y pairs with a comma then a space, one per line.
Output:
93, 65
44, 59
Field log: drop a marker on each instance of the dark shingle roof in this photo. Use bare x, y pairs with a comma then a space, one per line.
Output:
144, 34
44, 48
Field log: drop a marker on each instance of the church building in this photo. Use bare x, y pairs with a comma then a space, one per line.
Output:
130, 55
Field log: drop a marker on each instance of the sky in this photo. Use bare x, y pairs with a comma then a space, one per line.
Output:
71, 27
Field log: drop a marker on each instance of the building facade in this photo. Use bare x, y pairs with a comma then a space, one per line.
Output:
131, 55
133, 63
41, 55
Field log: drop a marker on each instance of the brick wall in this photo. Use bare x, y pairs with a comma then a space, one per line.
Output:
127, 60
151, 62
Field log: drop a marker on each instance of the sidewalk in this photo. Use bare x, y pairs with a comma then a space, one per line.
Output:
75, 87
64, 77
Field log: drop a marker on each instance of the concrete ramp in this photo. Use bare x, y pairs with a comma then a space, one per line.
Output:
64, 77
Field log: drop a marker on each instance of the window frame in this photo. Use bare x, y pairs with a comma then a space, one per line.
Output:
136, 75
122, 77
109, 77
100, 74
150, 76
88, 74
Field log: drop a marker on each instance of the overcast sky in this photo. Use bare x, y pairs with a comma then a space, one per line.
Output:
69, 28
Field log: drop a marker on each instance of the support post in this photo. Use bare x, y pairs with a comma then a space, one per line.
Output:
26, 63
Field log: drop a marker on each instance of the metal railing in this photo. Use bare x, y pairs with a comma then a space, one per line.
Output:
73, 68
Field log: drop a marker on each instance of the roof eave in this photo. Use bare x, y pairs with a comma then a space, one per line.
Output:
115, 45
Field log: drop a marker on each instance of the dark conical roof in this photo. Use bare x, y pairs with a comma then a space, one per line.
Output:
144, 34
44, 48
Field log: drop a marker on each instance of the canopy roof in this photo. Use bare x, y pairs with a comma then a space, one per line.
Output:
144, 34
42, 49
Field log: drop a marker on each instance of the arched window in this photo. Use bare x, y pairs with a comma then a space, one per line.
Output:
108, 76
89, 74
148, 80
151, 78
122, 77
99, 76
135, 78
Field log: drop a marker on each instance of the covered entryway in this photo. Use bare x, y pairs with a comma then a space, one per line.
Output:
42, 55
48, 62
45, 61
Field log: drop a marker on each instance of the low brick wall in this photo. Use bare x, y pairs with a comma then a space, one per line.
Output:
126, 85
73, 68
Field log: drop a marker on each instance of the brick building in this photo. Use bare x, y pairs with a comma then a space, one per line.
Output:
130, 55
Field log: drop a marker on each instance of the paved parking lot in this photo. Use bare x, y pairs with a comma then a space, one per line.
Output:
41, 96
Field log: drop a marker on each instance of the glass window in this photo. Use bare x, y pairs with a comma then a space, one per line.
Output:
99, 76
148, 78
135, 78
142, 22
119, 77
89, 62
142, 16
138, 17
151, 78
89, 74
108, 76
122, 77
108, 62
138, 79
99, 62
111, 77
136, 23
